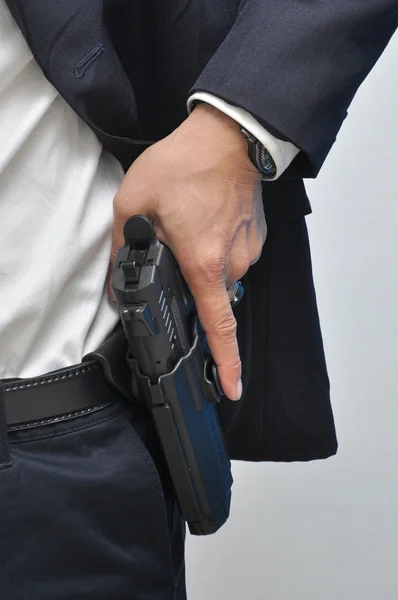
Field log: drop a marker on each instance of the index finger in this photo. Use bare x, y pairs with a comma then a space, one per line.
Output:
219, 323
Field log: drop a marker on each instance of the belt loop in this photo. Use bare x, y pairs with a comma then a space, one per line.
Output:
5, 458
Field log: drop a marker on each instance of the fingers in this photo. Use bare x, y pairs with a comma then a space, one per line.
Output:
208, 280
214, 244
206, 276
218, 321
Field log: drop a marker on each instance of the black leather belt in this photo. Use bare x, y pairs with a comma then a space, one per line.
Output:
60, 395
67, 393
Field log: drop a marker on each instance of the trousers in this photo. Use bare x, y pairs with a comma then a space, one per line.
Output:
87, 510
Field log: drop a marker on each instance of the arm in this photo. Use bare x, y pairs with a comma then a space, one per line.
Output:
204, 197
281, 152
296, 66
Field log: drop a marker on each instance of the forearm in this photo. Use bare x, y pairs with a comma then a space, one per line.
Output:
296, 66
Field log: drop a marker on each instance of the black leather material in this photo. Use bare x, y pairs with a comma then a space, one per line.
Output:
111, 355
65, 393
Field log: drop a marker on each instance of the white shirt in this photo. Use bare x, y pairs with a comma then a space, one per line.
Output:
56, 191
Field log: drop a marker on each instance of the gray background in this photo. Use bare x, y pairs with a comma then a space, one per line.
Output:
329, 530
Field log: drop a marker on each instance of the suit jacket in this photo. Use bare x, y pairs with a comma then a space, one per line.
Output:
127, 67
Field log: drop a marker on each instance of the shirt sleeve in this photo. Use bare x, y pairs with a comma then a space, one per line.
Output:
282, 152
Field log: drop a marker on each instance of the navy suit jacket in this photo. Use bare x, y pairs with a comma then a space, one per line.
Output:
127, 67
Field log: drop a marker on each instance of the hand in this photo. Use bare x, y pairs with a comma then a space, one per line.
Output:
203, 196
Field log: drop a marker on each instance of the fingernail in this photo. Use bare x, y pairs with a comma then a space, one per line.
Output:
239, 389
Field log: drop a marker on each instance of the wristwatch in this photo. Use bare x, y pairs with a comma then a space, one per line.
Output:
260, 156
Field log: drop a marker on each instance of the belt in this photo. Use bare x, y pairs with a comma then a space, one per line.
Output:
60, 395
101, 379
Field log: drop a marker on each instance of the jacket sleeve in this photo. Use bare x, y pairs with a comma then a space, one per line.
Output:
296, 65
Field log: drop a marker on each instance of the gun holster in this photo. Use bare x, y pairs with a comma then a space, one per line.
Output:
112, 357
201, 469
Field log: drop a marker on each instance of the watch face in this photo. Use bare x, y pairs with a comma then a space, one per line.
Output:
266, 162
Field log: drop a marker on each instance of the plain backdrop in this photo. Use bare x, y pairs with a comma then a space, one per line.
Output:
329, 530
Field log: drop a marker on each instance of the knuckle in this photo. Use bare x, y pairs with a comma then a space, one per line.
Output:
121, 207
215, 257
239, 268
119, 199
235, 364
257, 243
206, 263
245, 265
257, 251
226, 326
215, 263
116, 202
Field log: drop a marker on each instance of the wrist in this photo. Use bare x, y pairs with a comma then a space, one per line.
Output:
211, 127
210, 116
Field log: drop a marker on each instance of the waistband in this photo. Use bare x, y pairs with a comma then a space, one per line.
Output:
70, 392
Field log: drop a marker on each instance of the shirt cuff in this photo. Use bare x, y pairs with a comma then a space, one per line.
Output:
282, 152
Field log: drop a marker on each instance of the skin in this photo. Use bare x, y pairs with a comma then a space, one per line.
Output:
203, 196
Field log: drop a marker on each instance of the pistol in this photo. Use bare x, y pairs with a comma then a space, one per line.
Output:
173, 370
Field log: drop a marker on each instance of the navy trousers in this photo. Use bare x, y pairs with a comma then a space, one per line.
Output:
87, 511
